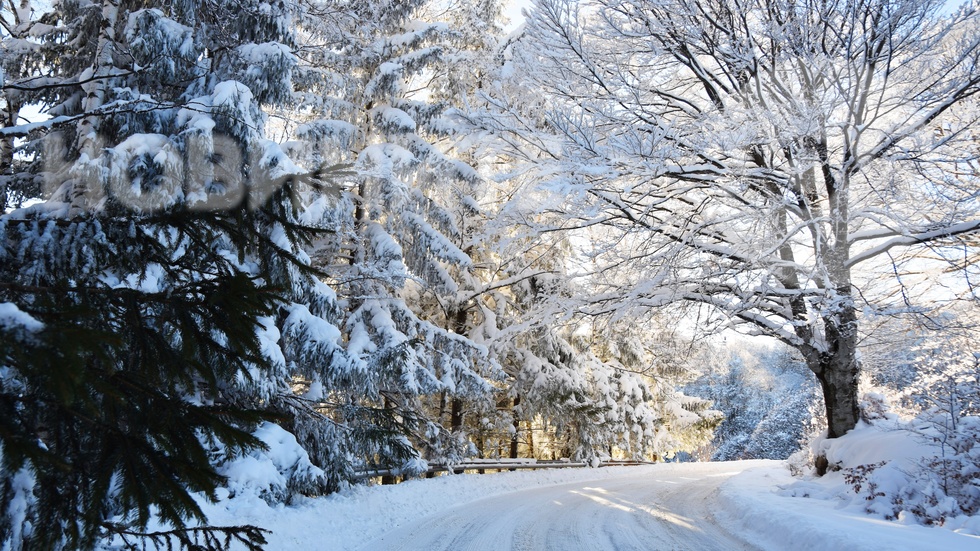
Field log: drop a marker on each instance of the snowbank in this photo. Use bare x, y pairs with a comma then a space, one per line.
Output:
757, 504
880, 492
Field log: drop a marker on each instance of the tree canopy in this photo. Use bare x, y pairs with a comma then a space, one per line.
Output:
763, 159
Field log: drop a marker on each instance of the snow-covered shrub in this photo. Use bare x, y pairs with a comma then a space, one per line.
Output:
800, 462
931, 489
18, 488
874, 407
924, 470
948, 481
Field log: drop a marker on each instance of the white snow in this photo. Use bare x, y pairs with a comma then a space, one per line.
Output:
315, 328
260, 53
383, 159
713, 503
389, 67
12, 317
269, 335
265, 473
896, 474
196, 115
751, 503
230, 92
150, 281
393, 119
21, 487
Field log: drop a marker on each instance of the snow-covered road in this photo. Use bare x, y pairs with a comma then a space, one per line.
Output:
675, 506
671, 509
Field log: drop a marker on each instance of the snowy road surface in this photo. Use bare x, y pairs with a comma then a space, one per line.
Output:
684, 507
669, 509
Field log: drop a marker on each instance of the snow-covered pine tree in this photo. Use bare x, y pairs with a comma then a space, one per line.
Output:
155, 307
402, 259
642, 363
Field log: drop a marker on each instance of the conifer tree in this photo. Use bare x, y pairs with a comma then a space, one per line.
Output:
156, 305
402, 256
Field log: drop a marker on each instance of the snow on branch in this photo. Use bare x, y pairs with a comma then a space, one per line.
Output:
915, 239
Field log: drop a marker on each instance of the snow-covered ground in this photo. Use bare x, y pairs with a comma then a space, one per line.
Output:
757, 506
747, 504
666, 507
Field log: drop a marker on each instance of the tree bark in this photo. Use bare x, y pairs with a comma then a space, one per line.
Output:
838, 370
459, 317
456, 415
9, 118
838, 379
530, 439
517, 427
480, 443
388, 479
839, 374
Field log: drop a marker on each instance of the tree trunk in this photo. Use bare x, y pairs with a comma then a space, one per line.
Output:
459, 317
517, 427
839, 381
387, 479
456, 415
530, 440
839, 374
7, 155
838, 371
443, 401
480, 443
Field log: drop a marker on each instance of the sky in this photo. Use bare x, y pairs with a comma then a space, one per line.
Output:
512, 10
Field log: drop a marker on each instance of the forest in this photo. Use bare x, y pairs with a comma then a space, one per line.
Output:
329, 237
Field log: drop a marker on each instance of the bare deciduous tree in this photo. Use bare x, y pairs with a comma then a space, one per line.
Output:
760, 157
